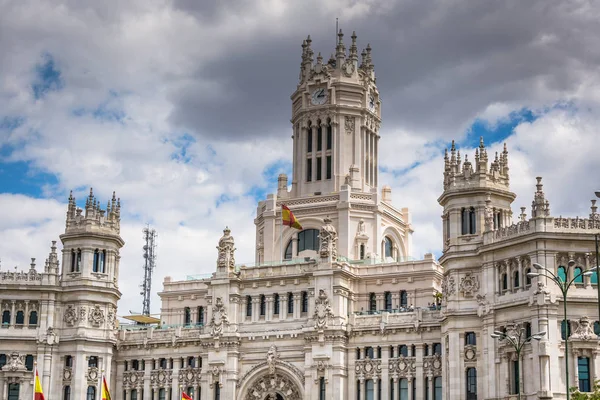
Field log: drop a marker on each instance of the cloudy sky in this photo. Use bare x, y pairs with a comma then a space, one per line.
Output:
182, 107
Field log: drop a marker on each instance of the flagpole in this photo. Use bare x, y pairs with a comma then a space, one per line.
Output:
179, 397
101, 382
281, 239
35, 373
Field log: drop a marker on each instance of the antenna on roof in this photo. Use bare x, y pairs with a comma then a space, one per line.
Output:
336, 32
149, 265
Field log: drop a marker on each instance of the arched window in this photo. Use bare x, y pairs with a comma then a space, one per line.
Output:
73, 261
67, 393
248, 306
103, 261
33, 318
527, 277
20, 320
308, 239
388, 248
578, 275
464, 221
200, 317
91, 393
78, 261
403, 389
471, 384
388, 301
319, 136
263, 305
93, 362
472, 221
29, 362
96, 264
504, 281
369, 390
372, 302
309, 135
133, 394
403, 350
437, 388
290, 303
403, 298
187, 316
276, 304
288, 251
516, 279
562, 274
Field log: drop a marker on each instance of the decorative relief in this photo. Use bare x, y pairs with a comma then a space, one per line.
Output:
488, 213
368, 368
322, 310
402, 367
328, 239
31, 276
267, 387
226, 249
219, 318
67, 374
469, 285
15, 363
70, 316
190, 376
215, 372
161, 378
448, 286
349, 125
348, 68
82, 313
432, 365
111, 318
584, 330
133, 379
272, 358
470, 352
92, 375
96, 316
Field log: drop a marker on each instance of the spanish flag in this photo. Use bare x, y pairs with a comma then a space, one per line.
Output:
39, 393
185, 396
105, 392
288, 218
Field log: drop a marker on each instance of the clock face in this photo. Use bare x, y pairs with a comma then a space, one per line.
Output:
371, 103
319, 96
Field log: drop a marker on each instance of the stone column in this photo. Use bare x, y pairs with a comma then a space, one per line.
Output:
26, 321
13, 316
363, 389
297, 299
47, 367
119, 380
269, 308
419, 372
147, 372
127, 394
175, 374
283, 306
430, 388
375, 386
410, 388
155, 393
385, 373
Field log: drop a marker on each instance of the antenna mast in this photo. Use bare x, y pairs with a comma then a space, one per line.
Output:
150, 236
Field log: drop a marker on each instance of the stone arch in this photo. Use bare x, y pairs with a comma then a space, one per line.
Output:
289, 234
397, 240
259, 383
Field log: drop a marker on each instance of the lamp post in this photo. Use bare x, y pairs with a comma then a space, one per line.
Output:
564, 288
518, 342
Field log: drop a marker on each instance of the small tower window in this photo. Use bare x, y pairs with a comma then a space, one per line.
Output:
309, 137
388, 301
248, 306
562, 274
319, 168
403, 298
403, 350
20, 320
472, 220
200, 317
372, 302
516, 279
96, 264
78, 266
578, 274
309, 170
73, 261
5, 317
263, 305
504, 282
93, 362
33, 318
187, 316
103, 261
29, 362
362, 251
328, 167
276, 304
290, 303
319, 136
389, 248
329, 135
527, 277
304, 302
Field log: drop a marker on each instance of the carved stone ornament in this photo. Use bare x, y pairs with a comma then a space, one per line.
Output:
226, 249
469, 285
70, 316
432, 365
349, 125
219, 318
67, 374
92, 375
96, 316
15, 363
470, 352
488, 213
216, 376
272, 357
161, 378
322, 310
268, 387
368, 368
348, 68
483, 306
584, 330
189, 375
328, 240
448, 286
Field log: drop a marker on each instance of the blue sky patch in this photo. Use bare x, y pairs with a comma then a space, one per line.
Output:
182, 144
11, 123
48, 78
499, 131
270, 174
19, 177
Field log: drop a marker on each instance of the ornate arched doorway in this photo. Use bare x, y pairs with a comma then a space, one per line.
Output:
273, 387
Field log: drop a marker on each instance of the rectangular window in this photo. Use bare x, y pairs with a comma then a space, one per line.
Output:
309, 141
304, 302
392, 397
437, 386
583, 368
328, 167
516, 376
426, 388
388, 301
329, 137
403, 350
470, 338
309, 170
437, 349
319, 168
319, 138
403, 389
248, 306
276, 304
29, 362
372, 302
370, 389
369, 352
358, 397
290, 303
322, 388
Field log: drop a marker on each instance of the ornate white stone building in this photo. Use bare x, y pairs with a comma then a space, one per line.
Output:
337, 310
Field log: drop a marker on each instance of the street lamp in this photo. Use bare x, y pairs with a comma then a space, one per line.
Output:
518, 342
564, 288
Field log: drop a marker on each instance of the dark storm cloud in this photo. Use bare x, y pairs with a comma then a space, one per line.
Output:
438, 64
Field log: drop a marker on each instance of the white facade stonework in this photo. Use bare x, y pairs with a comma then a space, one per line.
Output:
338, 310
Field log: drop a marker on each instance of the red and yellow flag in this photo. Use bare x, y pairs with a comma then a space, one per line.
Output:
105, 391
39, 393
288, 218
185, 396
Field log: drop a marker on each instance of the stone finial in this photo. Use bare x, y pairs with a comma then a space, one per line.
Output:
523, 216
226, 248
488, 214
594, 208
328, 240
32, 265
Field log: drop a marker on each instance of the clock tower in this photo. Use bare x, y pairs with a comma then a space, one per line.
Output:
336, 119
336, 115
